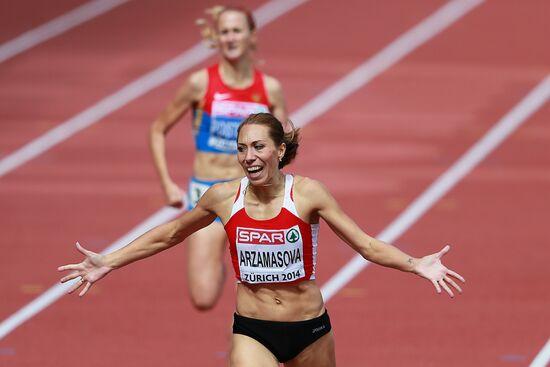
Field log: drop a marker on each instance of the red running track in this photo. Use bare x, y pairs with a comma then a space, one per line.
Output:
377, 151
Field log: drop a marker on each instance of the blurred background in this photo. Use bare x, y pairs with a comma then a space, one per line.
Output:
391, 95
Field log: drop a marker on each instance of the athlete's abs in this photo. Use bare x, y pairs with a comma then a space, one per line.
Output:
215, 166
280, 302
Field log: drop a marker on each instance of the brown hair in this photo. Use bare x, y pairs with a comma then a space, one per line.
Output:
277, 134
209, 28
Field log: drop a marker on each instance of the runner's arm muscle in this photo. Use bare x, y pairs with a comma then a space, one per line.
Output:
189, 94
368, 247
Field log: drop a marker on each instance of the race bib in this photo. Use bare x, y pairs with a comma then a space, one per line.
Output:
270, 256
226, 118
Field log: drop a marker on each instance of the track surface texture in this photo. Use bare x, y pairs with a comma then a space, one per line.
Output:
377, 150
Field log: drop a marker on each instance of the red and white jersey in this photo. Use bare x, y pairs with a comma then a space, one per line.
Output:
223, 109
278, 250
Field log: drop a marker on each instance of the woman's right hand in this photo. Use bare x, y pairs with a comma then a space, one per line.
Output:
173, 194
90, 270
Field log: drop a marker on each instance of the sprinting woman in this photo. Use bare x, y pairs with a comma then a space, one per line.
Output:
271, 220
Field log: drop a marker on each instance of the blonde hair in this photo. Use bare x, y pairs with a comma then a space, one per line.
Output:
208, 28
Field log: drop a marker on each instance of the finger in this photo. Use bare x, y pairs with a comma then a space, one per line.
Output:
76, 285
69, 277
70, 267
443, 251
86, 287
446, 287
456, 275
437, 287
82, 250
452, 282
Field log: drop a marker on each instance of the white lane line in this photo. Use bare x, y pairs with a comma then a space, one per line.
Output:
196, 54
56, 27
58, 290
302, 117
386, 58
543, 358
441, 186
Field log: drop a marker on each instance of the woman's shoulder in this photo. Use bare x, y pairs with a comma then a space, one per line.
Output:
309, 195
271, 83
194, 86
223, 190
220, 197
308, 186
223, 193
198, 79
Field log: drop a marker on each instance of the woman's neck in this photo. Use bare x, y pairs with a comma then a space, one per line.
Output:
238, 73
272, 189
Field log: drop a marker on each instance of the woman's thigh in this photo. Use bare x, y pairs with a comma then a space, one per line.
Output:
205, 265
318, 354
247, 352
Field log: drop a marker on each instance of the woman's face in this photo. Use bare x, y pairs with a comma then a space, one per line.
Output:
234, 36
258, 154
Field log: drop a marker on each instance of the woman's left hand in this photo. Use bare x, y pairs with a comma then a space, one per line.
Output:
431, 268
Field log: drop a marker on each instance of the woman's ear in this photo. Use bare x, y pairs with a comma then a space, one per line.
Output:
282, 150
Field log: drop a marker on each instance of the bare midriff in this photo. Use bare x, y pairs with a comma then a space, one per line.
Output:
280, 302
215, 166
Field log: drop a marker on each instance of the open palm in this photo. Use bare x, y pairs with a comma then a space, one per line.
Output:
431, 268
90, 270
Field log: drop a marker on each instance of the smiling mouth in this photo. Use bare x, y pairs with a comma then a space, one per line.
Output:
254, 169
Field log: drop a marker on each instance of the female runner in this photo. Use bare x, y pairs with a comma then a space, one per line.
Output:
220, 97
271, 220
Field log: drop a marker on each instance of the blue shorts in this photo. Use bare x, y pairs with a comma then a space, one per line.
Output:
196, 190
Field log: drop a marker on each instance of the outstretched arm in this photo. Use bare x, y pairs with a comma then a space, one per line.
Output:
96, 266
429, 267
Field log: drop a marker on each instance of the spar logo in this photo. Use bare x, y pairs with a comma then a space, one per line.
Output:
250, 236
293, 235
